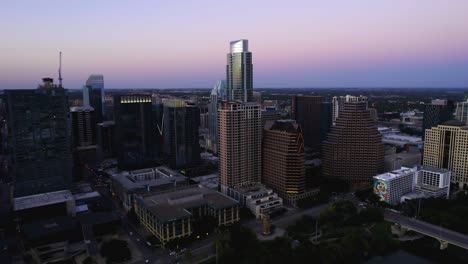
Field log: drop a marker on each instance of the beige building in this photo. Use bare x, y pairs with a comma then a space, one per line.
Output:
446, 146
239, 145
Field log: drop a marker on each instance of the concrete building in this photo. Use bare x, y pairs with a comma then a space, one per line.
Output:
239, 72
171, 215
257, 198
390, 186
339, 101
446, 146
128, 184
283, 167
461, 112
353, 151
432, 181
240, 145
39, 139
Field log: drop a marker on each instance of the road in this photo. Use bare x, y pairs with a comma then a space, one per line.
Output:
428, 229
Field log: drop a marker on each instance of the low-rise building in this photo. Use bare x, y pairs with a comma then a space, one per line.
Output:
390, 186
258, 199
170, 215
432, 181
127, 184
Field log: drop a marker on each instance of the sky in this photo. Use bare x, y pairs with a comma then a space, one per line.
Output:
183, 44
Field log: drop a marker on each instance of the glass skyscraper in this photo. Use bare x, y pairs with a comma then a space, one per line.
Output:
239, 72
217, 94
93, 95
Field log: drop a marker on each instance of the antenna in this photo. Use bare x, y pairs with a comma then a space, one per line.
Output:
60, 70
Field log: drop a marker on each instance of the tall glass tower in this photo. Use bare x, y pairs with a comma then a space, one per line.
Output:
93, 95
218, 94
239, 72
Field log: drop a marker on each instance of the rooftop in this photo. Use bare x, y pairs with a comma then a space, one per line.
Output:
395, 174
175, 204
149, 177
432, 169
37, 200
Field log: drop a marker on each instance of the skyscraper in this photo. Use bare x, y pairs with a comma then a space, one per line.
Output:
307, 111
436, 113
283, 167
239, 144
239, 72
181, 121
134, 131
218, 94
39, 139
446, 146
93, 95
462, 112
353, 151
338, 102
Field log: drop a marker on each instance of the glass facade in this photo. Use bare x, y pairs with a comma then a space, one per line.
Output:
239, 72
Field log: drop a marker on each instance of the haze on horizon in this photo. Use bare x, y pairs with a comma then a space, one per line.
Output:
183, 44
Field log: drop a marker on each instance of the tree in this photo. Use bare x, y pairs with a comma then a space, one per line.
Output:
116, 251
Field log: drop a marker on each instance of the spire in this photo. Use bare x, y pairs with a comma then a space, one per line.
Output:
60, 70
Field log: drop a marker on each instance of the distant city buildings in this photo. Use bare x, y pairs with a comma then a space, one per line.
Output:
239, 145
217, 95
134, 131
180, 132
39, 139
239, 72
353, 151
446, 146
461, 112
339, 101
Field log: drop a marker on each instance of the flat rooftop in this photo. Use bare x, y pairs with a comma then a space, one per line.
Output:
131, 180
37, 200
395, 174
432, 169
173, 205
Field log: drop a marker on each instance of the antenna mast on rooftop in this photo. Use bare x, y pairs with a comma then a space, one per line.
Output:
60, 70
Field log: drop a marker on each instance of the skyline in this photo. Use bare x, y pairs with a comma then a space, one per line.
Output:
173, 45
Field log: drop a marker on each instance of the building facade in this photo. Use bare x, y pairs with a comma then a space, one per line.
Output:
283, 167
239, 72
446, 146
134, 131
461, 112
391, 186
217, 95
83, 119
239, 144
432, 181
339, 101
436, 113
353, 151
40, 139
181, 145
307, 111
94, 96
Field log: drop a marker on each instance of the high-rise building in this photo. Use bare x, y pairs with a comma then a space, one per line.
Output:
326, 120
270, 115
39, 139
218, 94
307, 111
338, 102
181, 121
134, 131
93, 95
239, 72
446, 146
107, 147
83, 119
436, 113
353, 151
283, 167
462, 112
239, 144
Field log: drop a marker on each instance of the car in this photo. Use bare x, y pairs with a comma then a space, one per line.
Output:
173, 253
183, 250
138, 240
131, 233
146, 260
148, 243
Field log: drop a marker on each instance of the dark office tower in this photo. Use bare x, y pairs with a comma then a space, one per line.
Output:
93, 95
307, 111
283, 159
436, 113
83, 126
134, 131
353, 151
39, 139
239, 144
107, 147
239, 72
218, 94
181, 145
326, 120
269, 115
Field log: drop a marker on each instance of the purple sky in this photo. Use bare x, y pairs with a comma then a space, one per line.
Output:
183, 44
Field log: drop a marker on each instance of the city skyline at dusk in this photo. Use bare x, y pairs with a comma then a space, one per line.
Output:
184, 45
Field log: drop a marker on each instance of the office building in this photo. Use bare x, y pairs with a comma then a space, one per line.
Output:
203, 116
217, 95
283, 167
239, 144
93, 95
39, 139
173, 214
446, 147
134, 131
432, 182
107, 148
307, 111
461, 112
239, 72
270, 115
353, 151
391, 186
326, 120
339, 101
436, 113
180, 132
